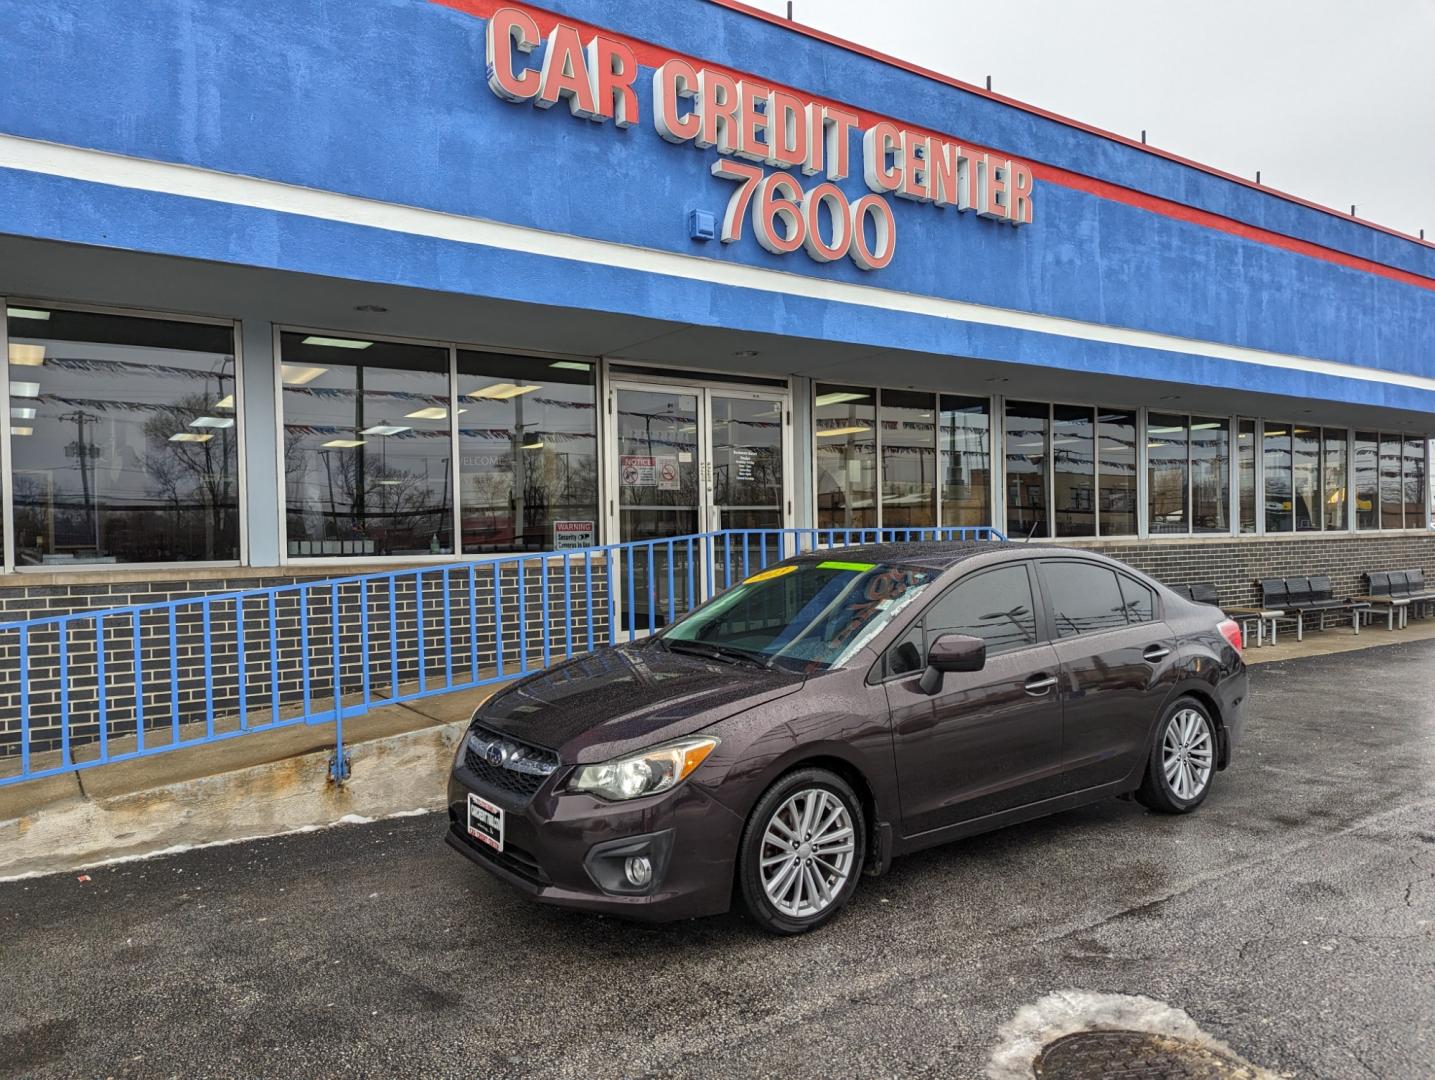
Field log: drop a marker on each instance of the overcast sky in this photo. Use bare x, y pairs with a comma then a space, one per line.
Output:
1331, 101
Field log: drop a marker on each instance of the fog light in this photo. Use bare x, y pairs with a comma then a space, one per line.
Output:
639, 870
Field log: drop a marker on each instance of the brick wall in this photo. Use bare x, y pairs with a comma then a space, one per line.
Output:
1236, 564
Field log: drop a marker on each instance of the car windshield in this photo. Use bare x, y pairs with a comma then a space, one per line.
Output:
801, 616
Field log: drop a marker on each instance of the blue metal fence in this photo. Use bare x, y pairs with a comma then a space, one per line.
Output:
82, 689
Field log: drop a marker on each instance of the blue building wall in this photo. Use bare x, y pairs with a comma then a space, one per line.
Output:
387, 100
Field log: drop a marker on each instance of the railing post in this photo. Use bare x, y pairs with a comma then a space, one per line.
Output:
339, 763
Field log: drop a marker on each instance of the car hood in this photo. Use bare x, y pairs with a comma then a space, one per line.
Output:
626, 698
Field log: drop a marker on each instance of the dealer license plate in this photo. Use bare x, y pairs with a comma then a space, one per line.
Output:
485, 822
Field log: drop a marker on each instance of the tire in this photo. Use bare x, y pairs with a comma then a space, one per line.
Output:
825, 874
1182, 765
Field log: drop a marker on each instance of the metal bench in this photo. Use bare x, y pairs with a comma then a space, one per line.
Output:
1380, 594
1205, 592
1298, 597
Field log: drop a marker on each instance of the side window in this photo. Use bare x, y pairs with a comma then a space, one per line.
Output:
1140, 602
1084, 597
995, 606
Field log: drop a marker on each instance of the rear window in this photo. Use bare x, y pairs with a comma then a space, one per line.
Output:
1085, 598
1140, 601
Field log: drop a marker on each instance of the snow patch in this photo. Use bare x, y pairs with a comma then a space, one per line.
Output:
1066, 1012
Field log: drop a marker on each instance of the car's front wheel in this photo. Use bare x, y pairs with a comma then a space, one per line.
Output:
1183, 761
802, 851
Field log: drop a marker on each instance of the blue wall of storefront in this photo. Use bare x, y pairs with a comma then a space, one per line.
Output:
387, 101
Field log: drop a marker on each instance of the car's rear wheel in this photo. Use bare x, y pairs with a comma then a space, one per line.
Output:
802, 851
1183, 760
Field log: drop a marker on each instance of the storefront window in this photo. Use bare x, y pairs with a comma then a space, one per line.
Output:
1414, 474
966, 460
1277, 467
1367, 480
528, 453
1116, 431
1073, 466
1335, 478
846, 452
1392, 493
367, 447
1246, 473
1026, 430
1210, 475
909, 460
1305, 478
1166, 458
123, 444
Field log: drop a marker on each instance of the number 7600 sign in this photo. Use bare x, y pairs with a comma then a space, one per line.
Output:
821, 221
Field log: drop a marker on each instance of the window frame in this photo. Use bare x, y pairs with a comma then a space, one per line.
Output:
7, 486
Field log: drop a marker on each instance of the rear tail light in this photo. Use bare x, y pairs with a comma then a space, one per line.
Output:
1231, 631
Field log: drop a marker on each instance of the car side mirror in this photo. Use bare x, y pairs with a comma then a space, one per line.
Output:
952, 652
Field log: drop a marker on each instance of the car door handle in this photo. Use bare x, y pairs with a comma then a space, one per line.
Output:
1038, 685
1155, 653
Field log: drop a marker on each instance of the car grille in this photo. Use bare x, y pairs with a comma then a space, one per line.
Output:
512, 858
520, 770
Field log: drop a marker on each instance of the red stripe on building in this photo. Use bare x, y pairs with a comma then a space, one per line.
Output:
654, 56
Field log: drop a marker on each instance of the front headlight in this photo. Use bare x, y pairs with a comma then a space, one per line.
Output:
646, 773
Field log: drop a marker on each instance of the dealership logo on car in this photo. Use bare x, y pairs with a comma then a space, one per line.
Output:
746, 119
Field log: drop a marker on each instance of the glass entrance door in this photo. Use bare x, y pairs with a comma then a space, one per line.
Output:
685, 460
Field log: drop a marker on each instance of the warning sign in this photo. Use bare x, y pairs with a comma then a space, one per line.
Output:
638, 471
574, 535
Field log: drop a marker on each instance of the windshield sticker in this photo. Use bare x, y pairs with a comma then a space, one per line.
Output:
856, 567
768, 575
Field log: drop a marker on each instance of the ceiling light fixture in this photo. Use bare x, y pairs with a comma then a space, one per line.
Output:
24, 389
296, 375
385, 429
428, 414
212, 422
225, 402
27, 355
502, 392
840, 398
834, 432
534, 445
571, 365
22, 412
344, 444
189, 436
21, 430
27, 313
338, 343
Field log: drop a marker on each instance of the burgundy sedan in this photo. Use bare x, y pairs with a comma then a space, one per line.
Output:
835, 711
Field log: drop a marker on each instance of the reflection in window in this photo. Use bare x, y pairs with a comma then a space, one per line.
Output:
1116, 434
1414, 475
966, 462
1246, 473
1367, 480
1084, 597
527, 442
1333, 471
1139, 601
846, 451
123, 439
1073, 463
995, 606
1210, 475
1305, 483
1026, 429
1276, 464
909, 460
1166, 459
1391, 492
367, 450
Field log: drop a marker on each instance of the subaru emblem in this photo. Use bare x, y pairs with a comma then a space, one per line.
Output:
495, 754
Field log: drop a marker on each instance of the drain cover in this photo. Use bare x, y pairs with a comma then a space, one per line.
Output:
1134, 1055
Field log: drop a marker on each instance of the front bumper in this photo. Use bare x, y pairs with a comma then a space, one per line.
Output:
550, 842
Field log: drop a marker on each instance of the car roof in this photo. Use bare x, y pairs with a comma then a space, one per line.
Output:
941, 555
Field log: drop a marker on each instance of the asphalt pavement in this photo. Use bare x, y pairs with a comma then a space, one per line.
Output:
1292, 917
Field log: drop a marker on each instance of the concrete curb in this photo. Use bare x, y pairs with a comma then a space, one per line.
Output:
396, 774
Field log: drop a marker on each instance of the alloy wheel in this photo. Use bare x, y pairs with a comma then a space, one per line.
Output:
1187, 754
807, 853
